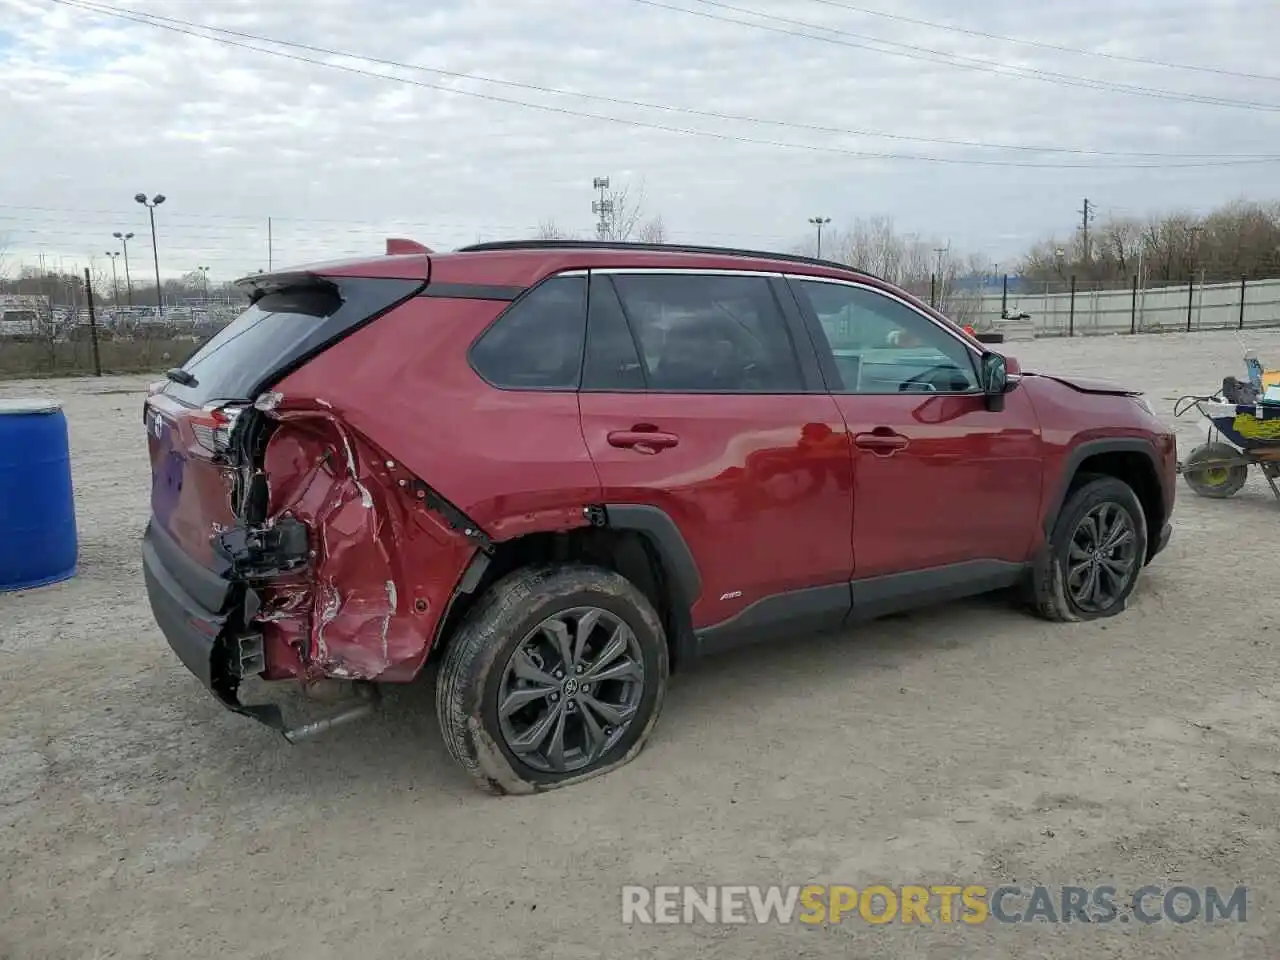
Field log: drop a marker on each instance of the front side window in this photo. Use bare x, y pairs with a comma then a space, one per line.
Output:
537, 343
709, 333
881, 345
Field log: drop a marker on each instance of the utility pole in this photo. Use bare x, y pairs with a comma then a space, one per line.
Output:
819, 222
935, 280
603, 208
1086, 215
124, 239
269, 244
93, 323
115, 280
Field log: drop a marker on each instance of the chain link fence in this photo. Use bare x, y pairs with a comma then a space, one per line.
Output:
42, 336
1063, 308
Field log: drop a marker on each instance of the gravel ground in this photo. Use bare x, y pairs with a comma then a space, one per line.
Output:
966, 744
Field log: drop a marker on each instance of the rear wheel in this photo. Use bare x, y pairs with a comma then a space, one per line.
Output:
1095, 553
1214, 470
556, 676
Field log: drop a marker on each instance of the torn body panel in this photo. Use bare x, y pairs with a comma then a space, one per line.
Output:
381, 563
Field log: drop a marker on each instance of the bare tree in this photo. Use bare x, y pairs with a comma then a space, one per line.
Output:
550, 230
626, 217
652, 231
623, 220
1238, 240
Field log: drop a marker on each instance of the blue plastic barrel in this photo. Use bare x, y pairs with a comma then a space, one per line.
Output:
38, 543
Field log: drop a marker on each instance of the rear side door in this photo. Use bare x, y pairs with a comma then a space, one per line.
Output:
939, 480
701, 397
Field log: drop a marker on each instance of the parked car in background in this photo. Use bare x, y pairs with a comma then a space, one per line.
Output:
562, 470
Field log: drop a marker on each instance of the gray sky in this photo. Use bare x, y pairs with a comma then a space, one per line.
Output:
95, 109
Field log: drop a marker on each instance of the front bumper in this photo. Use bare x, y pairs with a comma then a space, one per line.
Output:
189, 604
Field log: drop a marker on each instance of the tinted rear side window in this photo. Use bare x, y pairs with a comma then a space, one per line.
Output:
710, 333
537, 343
278, 331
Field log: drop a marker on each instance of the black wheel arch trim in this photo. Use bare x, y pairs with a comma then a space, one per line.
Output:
1082, 452
663, 534
656, 524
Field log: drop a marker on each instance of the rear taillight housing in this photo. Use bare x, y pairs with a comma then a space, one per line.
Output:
211, 426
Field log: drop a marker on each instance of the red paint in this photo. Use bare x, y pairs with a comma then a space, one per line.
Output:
758, 485
964, 484
513, 461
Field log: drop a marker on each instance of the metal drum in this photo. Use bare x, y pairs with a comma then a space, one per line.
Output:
38, 542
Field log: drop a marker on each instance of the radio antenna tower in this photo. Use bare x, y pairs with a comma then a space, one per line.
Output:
602, 208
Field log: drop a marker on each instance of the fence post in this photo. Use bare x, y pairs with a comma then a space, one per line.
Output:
1243, 282
1191, 299
1133, 308
93, 323
1071, 309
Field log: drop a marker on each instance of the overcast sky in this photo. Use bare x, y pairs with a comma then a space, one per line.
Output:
94, 109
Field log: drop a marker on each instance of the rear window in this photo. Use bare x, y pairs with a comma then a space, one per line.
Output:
278, 331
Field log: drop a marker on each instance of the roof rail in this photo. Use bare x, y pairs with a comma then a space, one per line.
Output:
657, 248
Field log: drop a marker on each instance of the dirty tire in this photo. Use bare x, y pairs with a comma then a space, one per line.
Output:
1217, 483
1049, 595
470, 676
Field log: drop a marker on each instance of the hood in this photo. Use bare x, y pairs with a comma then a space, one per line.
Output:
1090, 385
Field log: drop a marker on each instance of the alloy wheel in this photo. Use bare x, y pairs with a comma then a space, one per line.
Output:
1102, 558
570, 690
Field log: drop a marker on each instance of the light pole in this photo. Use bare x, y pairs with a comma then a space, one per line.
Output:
115, 280
124, 239
818, 222
155, 253
204, 280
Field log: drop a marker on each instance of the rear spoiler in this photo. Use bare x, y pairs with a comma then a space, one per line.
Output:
260, 285
316, 276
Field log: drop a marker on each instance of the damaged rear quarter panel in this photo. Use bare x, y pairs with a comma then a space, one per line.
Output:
401, 391
513, 461
383, 567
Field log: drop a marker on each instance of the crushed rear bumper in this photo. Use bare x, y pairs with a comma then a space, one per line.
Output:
189, 604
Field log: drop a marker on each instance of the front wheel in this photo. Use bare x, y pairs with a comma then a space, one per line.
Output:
1095, 553
557, 675
1215, 470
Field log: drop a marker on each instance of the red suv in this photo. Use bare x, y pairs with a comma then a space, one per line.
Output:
565, 469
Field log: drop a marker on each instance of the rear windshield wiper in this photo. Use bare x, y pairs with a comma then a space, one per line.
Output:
181, 377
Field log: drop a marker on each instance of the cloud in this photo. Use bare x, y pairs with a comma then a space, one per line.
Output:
99, 108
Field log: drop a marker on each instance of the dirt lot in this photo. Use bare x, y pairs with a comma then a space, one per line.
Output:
967, 744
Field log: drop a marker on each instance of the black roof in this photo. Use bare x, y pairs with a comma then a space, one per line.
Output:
658, 248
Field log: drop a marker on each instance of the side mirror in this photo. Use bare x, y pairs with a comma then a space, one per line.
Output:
994, 377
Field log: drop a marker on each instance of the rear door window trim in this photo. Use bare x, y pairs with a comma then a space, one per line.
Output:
806, 356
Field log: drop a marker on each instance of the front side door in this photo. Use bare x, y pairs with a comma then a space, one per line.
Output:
939, 480
698, 398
